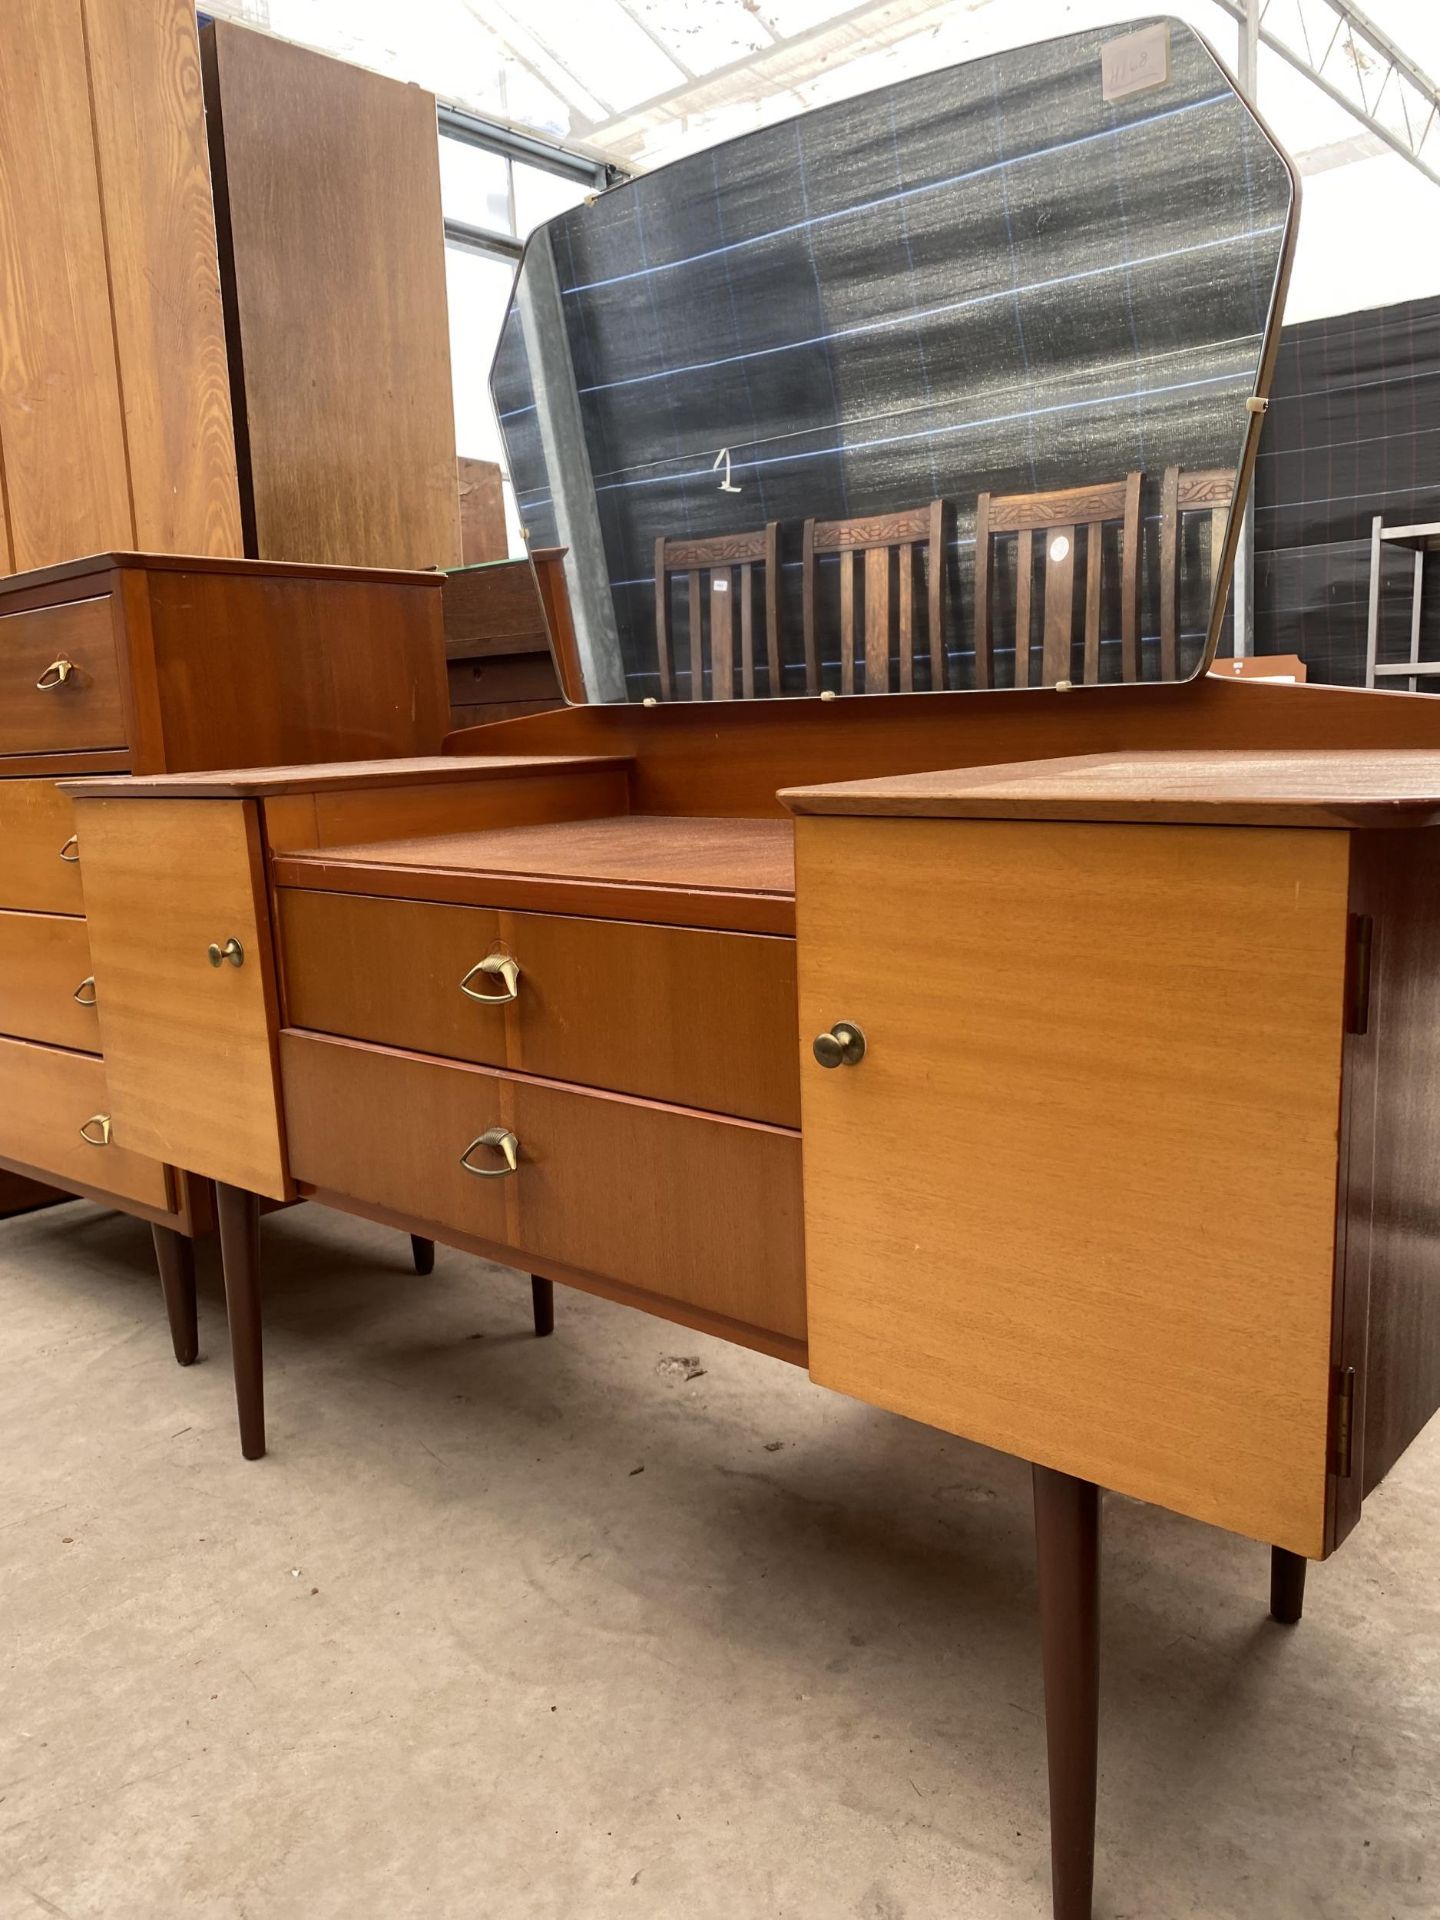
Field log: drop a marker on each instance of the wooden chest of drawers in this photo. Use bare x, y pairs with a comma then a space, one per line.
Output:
127, 663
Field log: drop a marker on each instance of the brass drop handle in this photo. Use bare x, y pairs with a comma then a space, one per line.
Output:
101, 1138
504, 1143
66, 855
231, 951
55, 675
842, 1046
79, 996
500, 967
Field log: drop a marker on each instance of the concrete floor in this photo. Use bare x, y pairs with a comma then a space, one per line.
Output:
565, 1630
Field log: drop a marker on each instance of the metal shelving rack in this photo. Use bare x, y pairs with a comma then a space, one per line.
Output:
1420, 540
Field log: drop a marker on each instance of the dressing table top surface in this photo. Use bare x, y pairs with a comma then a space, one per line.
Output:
1390, 788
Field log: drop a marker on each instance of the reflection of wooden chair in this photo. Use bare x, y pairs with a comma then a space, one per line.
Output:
729, 561
1061, 517
891, 543
1200, 490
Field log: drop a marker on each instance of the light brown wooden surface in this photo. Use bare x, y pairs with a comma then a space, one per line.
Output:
730, 874
483, 535
672, 1203
36, 822
428, 771
1297, 789
62, 437
698, 1019
1078, 1200
688, 762
86, 710
188, 1046
44, 958
340, 346
49, 1095
149, 122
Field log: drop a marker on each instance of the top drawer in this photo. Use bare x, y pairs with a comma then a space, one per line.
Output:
694, 1017
60, 679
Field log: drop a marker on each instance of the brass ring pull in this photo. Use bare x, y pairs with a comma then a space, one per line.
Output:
55, 675
79, 994
504, 1143
498, 966
231, 951
102, 1121
69, 858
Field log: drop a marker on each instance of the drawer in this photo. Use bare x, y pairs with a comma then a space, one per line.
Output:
46, 1096
44, 962
39, 859
698, 1018
60, 679
685, 1206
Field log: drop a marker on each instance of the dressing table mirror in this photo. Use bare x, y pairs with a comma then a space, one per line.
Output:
1019, 1004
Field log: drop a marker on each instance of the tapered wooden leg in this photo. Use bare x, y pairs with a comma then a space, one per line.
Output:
424, 1253
175, 1257
239, 1214
1067, 1541
542, 1295
1287, 1586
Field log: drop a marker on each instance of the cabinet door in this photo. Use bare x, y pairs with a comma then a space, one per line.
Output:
1078, 1199
189, 1045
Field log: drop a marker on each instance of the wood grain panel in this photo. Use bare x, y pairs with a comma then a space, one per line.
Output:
84, 710
699, 1019
149, 129
62, 434
681, 1205
36, 825
340, 343
44, 959
1078, 1200
188, 1046
50, 1094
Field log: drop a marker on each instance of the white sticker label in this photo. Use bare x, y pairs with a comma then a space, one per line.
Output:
720, 586
1135, 61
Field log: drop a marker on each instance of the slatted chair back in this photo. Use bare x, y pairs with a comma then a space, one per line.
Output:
1186, 494
723, 573
885, 549
1060, 518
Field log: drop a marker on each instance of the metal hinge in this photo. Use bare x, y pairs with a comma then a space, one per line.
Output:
1357, 974
1343, 1451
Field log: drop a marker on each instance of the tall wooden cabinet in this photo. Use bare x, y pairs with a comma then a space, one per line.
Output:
115, 426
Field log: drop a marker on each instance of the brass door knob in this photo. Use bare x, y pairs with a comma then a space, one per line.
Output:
231, 951
85, 995
101, 1136
842, 1046
499, 966
55, 675
504, 1143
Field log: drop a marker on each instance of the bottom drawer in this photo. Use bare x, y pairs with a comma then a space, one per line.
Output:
46, 1096
688, 1206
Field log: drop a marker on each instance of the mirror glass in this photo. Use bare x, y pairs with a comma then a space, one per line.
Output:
943, 387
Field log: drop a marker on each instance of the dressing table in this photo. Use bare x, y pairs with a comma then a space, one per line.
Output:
1059, 1013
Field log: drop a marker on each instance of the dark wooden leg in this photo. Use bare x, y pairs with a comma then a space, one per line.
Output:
239, 1214
1067, 1542
1287, 1586
175, 1257
424, 1252
542, 1295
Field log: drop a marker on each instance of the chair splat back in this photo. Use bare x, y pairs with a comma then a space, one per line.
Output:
1185, 494
878, 556
721, 582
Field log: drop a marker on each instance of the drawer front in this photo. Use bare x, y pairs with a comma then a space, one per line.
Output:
687, 1206
60, 679
189, 1044
46, 1096
39, 855
44, 964
702, 1019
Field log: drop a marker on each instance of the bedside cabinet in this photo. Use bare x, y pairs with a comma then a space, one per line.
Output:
130, 663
